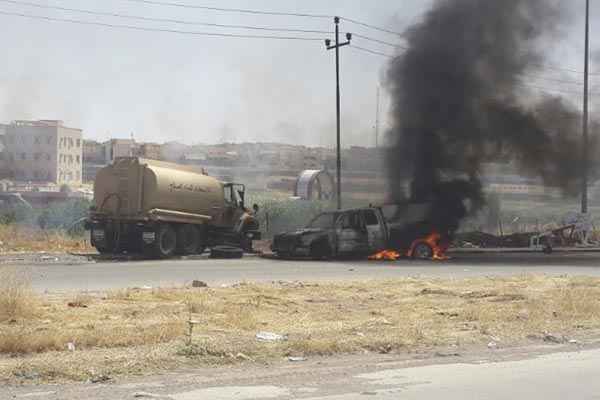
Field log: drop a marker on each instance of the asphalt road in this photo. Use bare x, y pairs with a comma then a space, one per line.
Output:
558, 376
115, 275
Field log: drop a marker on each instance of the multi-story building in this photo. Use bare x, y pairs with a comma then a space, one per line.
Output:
44, 151
116, 148
150, 150
93, 152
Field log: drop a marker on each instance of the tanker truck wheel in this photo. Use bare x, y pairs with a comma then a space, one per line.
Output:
189, 240
166, 241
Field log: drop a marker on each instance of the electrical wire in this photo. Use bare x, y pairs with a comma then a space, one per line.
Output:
169, 20
370, 39
566, 82
371, 51
147, 29
370, 26
237, 10
263, 12
545, 89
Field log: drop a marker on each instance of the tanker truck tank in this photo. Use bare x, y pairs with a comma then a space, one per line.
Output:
164, 208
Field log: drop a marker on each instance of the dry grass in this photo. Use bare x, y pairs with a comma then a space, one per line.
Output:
16, 238
17, 300
134, 330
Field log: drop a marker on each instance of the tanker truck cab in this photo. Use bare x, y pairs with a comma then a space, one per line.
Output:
236, 215
233, 194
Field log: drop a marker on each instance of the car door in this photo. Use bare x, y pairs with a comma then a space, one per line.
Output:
351, 234
376, 234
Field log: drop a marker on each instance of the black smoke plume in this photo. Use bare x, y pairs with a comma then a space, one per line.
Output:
458, 101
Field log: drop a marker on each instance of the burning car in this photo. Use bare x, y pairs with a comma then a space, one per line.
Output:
379, 232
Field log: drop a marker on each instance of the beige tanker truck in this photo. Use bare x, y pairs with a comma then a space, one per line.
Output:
163, 209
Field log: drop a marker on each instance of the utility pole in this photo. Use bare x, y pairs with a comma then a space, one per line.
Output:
337, 46
377, 121
585, 158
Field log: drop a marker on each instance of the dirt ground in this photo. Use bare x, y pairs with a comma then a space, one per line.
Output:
104, 335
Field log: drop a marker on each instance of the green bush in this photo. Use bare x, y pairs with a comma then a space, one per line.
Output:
62, 216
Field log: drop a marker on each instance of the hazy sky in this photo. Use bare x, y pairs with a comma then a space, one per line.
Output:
165, 86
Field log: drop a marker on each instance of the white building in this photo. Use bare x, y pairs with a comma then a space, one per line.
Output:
44, 151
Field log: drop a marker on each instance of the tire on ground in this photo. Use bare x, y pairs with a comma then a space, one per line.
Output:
226, 252
188, 239
166, 241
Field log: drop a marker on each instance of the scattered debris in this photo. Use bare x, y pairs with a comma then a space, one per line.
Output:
49, 258
77, 304
71, 346
99, 379
441, 292
199, 284
296, 359
242, 356
492, 345
573, 341
29, 375
442, 354
144, 395
449, 314
550, 338
270, 337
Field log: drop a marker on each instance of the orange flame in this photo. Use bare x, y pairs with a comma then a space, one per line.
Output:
433, 240
386, 255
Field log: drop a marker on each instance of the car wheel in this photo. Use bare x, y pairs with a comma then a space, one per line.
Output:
226, 252
166, 241
422, 251
188, 239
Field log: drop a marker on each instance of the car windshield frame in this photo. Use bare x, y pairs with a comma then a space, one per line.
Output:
332, 219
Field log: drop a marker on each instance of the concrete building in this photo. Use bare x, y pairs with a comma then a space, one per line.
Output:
150, 150
93, 152
44, 151
116, 148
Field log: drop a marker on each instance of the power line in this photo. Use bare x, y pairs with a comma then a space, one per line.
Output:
372, 51
176, 21
262, 12
545, 89
237, 10
552, 79
146, 29
370, 26
571, 70
370, 39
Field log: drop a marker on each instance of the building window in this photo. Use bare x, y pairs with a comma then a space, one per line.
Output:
23, 156
36, 157
78, 159
37, 140
78, 142
48, 157
49, 140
